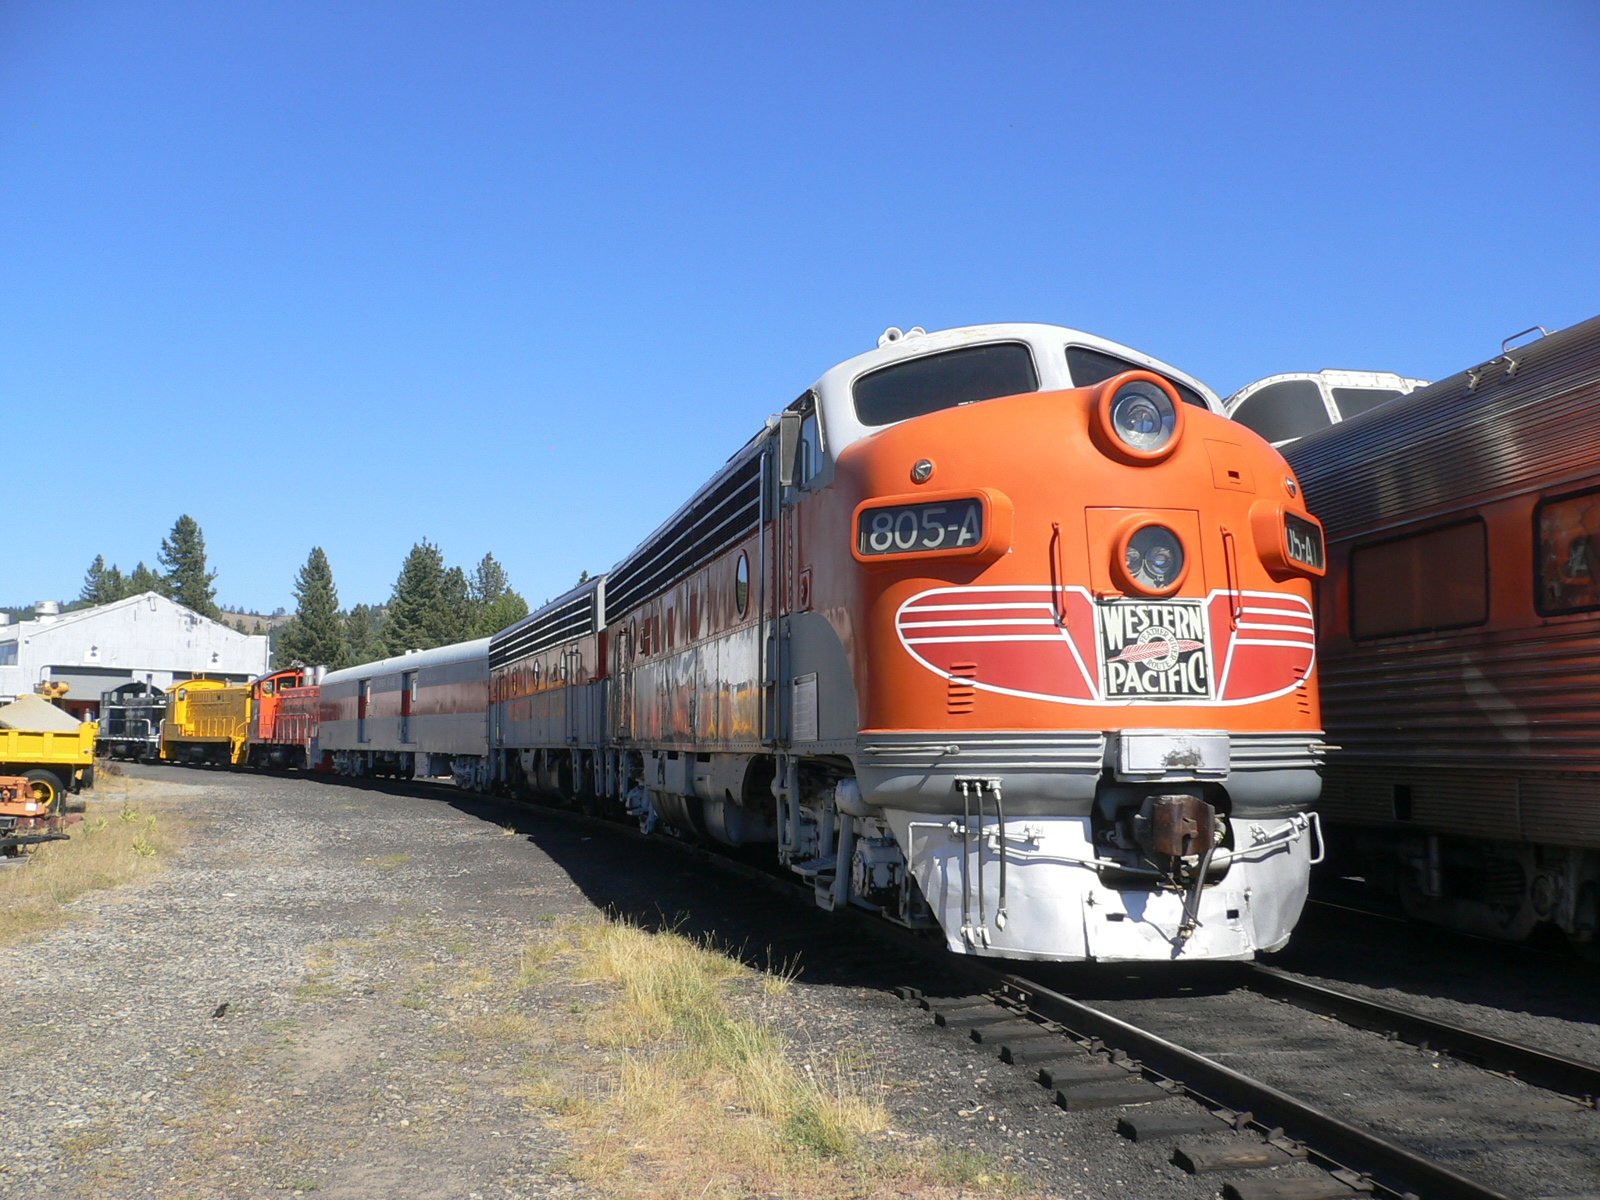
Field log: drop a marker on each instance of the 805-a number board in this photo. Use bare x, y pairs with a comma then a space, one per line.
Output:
920, 528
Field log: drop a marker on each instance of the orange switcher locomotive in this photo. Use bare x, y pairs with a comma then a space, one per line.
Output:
1004, 629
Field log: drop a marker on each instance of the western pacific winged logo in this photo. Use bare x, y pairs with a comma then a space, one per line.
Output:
1154, 651
1066, 645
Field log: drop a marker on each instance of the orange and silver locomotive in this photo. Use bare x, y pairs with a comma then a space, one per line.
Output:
1003, 628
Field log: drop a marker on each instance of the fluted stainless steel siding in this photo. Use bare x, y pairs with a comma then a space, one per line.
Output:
1492, 731
1446, 447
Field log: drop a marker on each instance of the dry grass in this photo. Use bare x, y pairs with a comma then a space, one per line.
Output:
111, 846
705, 1096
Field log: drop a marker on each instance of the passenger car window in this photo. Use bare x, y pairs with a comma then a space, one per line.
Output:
1352, 402
1567, 572
1437, 579
920, 386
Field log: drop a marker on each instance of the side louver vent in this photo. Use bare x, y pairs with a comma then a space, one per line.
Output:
962, 697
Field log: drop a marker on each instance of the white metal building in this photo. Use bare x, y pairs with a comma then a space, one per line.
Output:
145, 637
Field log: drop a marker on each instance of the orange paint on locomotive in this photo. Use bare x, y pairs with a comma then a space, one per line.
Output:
1025, 635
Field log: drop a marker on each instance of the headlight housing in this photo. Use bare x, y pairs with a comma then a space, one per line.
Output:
1150, 558
1139, 417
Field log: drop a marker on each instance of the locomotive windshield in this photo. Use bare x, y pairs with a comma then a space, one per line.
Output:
923, 385
1090, 367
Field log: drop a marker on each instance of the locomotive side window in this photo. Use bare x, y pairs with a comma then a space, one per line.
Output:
741, 585
1089, 367
920, 386
1438, 579
1567, 570
1290, 409
810, 448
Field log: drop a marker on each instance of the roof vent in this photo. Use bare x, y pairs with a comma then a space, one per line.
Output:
894, 334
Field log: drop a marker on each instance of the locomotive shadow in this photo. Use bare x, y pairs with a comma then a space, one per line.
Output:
771, 926
665, 888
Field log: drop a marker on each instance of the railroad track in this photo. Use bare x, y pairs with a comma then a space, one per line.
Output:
1260, 1138
1267, 1143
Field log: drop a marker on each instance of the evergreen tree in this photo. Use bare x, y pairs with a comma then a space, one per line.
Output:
364, 632
142, 580
429, 606
488, 582
183, 554
507, 609
458, 612
315, 635
102, 584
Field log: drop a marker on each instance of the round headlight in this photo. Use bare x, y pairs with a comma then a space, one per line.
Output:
1154, 558
1143, 416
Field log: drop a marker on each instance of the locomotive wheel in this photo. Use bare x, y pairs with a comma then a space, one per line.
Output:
48, 790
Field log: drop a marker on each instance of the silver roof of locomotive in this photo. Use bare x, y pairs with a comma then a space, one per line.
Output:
1049, 343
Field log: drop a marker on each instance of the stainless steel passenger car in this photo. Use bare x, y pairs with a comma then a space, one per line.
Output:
1460, 642
415, 714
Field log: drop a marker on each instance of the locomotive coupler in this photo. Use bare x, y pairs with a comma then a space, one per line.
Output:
1178, 833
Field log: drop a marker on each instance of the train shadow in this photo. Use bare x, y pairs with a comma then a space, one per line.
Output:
768, 922
770, 925
665, 887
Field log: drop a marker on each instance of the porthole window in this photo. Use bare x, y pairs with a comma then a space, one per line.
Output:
741, 584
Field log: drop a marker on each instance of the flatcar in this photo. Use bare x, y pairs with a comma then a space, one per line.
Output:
1284, 407
1003, 629
130, 722
1461, 640
419, 714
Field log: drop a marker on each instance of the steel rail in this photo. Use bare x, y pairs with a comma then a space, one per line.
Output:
1336, 1142
1570, 1076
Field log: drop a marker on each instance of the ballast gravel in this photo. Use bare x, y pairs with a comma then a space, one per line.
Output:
278, 1012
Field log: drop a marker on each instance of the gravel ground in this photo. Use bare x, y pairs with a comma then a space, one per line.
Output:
289, 1009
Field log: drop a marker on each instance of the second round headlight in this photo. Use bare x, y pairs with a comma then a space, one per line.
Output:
1155, 558
1143, 416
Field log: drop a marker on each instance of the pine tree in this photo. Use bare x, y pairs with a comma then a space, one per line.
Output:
429, 606
363, 633
183, 554
315, 635
142, 580
494, 604
458, 610
488, 581
102, 584
507, 609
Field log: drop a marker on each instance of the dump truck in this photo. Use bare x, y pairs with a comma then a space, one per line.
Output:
52, 751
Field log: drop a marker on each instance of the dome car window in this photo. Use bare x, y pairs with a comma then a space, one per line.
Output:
920, 386
1280, 411
1352, 402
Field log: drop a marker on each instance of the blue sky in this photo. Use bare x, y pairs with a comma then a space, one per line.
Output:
517, 277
